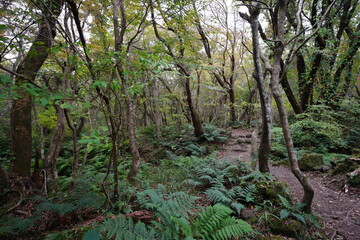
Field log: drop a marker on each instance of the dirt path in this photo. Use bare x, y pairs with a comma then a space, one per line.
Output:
340, 211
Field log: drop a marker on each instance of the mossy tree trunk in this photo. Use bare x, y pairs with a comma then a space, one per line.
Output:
26, 73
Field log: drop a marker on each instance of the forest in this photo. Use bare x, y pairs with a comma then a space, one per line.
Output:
180, 119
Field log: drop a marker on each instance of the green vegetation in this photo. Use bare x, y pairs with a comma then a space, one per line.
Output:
115, 116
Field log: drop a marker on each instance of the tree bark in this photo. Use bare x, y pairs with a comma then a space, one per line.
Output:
132, 138
275, 81
289, 93
195, 117
27, 70
266, 115
55, 144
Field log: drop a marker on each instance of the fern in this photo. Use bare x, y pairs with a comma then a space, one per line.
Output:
121, 228
295, 212
215, 222
213, 134
256, 176
245, 194
172, 210
225, 197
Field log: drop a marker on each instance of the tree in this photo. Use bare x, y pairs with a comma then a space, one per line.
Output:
277, 14
175, 20
225, 72
25, 75
259, 75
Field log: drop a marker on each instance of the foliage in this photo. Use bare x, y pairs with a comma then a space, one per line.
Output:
14, 226
327, 128
295, 212
308, 132
171, 209
278, 149
72, 203
213, 133
121, 228
216, 222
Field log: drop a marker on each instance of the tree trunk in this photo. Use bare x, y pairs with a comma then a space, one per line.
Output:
289, 93
275, 82
266, 115
132, 138
195, 117
55, 144
27, 70
232, 105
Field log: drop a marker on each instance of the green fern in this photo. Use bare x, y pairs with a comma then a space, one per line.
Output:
172, 210
215, 222
295, 212
256, 176
121, 228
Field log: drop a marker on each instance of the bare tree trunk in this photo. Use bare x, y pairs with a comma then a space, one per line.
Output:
132, 138
266, 115
27, 70
232, 105
275, 81
55, 144
195, 117
254, 147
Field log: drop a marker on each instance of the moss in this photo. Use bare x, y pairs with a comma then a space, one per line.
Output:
291, 228
271, 190
345, 166
354, 178
272, 238
356, 153
311, 161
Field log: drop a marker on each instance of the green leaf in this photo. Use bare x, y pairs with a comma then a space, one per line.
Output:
2, 27
68, 105
284, 213
45, 102
93, 234
5, 79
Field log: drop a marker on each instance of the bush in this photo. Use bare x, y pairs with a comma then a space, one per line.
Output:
318, 129
213, 133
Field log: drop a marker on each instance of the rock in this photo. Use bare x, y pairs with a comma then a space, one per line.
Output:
291, 228
348, 165
325, 168
244, 140
271, 190
272, 238
311, 162
354, 178
247, 214
240, 150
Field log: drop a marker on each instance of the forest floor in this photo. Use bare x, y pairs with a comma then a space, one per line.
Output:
337, 204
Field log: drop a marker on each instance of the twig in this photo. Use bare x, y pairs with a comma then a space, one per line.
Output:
19, 75
18, 203
333, 235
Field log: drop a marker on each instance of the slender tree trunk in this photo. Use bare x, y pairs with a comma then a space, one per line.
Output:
195, 117
27, 70
266, 115
275, 82
114, 157
289, 93
55, 144
132, 138
232, 105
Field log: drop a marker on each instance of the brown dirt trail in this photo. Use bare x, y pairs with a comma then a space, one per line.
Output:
340, 211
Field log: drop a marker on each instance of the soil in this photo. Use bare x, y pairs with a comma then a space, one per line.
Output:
335, 202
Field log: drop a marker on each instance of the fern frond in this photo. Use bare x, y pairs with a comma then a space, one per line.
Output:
215, 222
121, 228
217, 196
237, 207
285, 202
